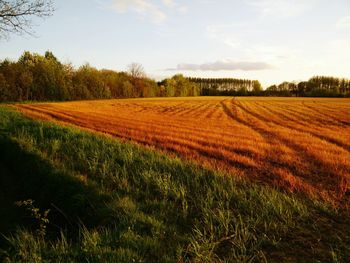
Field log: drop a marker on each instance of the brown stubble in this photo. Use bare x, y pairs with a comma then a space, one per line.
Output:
295, 144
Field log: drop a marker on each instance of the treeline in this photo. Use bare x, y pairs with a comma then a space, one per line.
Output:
44, 78
227, 86
319, 86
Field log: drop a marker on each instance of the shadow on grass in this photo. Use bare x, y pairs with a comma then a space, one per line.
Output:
26, 175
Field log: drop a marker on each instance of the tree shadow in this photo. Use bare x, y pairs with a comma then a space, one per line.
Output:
25, 174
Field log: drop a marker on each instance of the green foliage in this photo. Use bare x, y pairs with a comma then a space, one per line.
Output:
34, 77
179, 86
44, 78
257, 88
113, 201
88, 81
35, 213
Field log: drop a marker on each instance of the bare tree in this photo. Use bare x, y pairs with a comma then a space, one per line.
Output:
16, 15
136, 71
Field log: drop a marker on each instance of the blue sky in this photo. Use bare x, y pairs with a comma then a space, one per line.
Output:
268, 40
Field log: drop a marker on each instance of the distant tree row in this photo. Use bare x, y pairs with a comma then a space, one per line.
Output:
227, 86
319, 86
44, 78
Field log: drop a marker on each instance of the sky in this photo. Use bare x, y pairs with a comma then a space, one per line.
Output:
268, 40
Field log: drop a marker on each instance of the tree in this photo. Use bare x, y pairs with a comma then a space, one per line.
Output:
136, 71
4, 89
16, 15
138, 76
257, 89
179, 86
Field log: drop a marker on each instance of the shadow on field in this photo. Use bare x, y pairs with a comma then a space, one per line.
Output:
26, 175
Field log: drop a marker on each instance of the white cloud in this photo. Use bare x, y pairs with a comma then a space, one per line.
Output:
150, 9
227, 65
169, 3
142, 7
224, 34
182, 9
243, 43
280, 8
343, 22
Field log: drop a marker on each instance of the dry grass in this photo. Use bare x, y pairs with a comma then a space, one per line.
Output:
294, 144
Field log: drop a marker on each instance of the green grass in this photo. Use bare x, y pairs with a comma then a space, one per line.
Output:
112, 201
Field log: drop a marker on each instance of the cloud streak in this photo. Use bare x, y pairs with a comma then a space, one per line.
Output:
223, 65
141, 7
280, 8
169, 3
148, 9
224, 33
343, 22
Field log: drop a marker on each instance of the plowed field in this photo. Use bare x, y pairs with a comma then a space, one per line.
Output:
291, 143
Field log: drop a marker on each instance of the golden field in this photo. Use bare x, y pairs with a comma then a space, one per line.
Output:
297, 144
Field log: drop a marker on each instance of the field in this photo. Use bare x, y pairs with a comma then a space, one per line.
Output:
87, 197
296, 144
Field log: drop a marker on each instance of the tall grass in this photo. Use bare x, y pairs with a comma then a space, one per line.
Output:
113, 201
